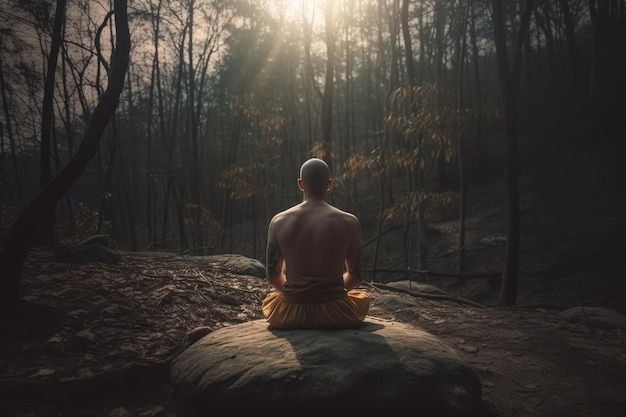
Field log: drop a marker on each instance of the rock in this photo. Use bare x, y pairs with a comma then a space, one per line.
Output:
87, 253
197, 333
416, 287
101, 239
600, 317
240, 264
393, 302
384, 366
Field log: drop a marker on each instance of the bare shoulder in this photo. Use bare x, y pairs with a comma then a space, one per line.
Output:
277, 220
281, 216
346, 216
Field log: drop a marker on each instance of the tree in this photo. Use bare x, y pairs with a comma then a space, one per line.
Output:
327, 100
509, 84
46, 120
28, 227
608, 19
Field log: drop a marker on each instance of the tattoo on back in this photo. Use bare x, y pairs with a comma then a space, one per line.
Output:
272, 260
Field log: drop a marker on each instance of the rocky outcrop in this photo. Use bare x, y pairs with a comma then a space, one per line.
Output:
600, 317
240, 264
384, 366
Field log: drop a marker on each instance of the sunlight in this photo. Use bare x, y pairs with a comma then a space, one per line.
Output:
290, 11
293, 11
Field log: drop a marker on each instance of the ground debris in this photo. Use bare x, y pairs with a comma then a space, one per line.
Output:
102, 335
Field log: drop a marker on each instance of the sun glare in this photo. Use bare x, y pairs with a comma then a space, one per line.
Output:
293, 11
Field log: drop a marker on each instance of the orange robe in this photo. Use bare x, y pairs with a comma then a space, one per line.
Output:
346, 310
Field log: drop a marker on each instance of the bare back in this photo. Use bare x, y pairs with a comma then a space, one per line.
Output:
319, 244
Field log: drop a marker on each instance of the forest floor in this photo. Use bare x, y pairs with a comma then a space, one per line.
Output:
97, 337
102, 344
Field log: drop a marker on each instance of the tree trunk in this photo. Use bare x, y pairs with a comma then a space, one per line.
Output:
47, 114
607, 64
47, 111
327, 101
28, 226
509, 84
412, 105
572, 46
475, 59
9, 127
462, 43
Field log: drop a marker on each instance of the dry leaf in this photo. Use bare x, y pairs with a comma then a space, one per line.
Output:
84, 373
56, 339
43, 372
152, 411
86, 334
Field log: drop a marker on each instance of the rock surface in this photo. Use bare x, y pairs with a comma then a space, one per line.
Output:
240, 264
600, 317
382, 366
416, 287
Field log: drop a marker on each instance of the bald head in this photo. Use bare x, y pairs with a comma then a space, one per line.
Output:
315, 174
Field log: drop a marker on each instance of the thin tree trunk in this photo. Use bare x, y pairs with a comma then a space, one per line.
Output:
308, 79
509, 82
572, 46
47, 109
419, 180
327, 101
193, 127
459, 97
47, 114
475, 59
9, 127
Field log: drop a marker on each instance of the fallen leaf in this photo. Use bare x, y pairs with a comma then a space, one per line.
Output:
56, 339
85, 373
152, 411
43, 372
86, 334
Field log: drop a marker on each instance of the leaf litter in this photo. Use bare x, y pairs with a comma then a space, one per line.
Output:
113, 327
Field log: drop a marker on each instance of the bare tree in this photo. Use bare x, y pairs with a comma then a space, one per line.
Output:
9, 127
30, 224
327, 101
509, 82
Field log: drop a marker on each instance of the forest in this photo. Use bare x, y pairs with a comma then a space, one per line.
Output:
184, 132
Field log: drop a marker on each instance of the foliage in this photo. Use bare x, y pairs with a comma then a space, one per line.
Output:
7, 217
263, 138
425, 123
84, 222
321, 150
239, 181
357, 163
200, 218
420, 114
407, 206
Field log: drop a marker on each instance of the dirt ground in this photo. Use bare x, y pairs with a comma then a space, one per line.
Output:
100, 342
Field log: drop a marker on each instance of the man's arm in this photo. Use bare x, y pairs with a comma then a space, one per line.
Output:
274, 260
354, 263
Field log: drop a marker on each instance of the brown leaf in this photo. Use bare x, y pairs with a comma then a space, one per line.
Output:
43, 372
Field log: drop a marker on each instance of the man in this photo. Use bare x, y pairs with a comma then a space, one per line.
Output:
314, 260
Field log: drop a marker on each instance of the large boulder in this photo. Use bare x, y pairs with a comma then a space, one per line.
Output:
240, 264
416, 287
384, 366
600, 317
